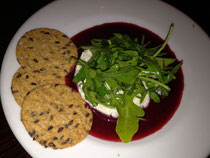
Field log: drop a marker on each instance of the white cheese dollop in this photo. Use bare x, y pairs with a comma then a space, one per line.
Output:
85, 56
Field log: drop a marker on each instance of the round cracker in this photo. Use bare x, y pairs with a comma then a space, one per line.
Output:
46, 52
56, 116
23, 83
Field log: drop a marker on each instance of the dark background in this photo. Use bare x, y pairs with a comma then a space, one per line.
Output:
14, 14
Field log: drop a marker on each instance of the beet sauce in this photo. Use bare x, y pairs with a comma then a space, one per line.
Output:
156, 114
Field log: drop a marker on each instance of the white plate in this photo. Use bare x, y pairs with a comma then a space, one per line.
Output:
187, 134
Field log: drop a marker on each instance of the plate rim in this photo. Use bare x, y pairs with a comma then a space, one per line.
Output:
18, 34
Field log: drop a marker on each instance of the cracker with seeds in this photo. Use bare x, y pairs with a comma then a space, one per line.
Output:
46, 52
56, 116
23, 82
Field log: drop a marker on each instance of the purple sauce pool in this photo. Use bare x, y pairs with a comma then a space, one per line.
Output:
157, 114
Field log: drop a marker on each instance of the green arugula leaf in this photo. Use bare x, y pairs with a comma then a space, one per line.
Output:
126, 75
80, 76
164, 62
176, 68
112, 83
129, 116
132, 62
154, 96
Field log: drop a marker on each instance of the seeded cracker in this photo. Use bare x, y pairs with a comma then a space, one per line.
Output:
56, 116
46, 52
23, 83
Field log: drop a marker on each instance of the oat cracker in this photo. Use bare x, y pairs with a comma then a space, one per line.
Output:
46, 52
23, 83
56, 116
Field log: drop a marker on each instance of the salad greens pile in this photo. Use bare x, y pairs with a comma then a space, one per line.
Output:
122, 63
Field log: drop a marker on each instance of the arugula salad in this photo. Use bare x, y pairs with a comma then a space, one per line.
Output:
127, 65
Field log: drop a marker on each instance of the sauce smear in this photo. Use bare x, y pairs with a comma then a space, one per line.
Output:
157, 114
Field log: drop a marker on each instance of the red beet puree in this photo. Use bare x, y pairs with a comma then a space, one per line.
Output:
157, 114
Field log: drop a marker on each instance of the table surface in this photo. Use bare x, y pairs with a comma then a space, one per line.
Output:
15, 14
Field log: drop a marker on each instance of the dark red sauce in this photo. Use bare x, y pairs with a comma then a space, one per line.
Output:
157, 115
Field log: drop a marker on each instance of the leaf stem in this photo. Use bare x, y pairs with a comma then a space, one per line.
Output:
166, 41
155, 81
